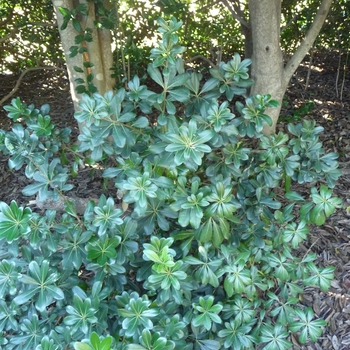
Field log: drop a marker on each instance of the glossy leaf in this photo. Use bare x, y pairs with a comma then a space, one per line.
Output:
13, 221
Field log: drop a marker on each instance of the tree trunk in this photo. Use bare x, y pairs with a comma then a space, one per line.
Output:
99, 51
267, 59
67, 39
268, 72
248, 41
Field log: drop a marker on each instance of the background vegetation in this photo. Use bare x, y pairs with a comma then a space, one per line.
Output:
29, 35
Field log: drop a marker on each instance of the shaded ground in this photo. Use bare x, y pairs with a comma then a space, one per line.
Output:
326, 99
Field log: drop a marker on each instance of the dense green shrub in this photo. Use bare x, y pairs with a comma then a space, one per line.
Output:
201, 253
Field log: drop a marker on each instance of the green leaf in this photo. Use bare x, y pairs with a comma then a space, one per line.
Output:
103, 250
81, 315
178, 81
307, 327
275, 337
78, 69
294, 196
141, 123
13, 221
41, 281
209, 85
76, 25
107, 216
319, 277
155, 75
179, 94
317, 216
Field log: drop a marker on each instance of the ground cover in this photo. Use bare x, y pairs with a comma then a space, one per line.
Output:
320, 101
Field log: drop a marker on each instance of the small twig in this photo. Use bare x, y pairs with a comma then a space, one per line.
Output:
129, 69
9, 35
236, 6
236, 13
308, 251
337, 77
219, 55
124, 65
19, 80
289, 23
344, 74
8, 19
40, 24
309, 70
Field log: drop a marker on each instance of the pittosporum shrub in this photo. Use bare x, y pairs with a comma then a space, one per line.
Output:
200, 252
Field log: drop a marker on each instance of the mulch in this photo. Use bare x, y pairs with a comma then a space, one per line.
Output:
326, 99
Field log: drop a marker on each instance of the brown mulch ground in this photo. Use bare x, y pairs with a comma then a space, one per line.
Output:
326, 99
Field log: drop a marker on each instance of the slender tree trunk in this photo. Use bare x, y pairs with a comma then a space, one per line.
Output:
267, 59
268, 71
67, 39
99, 51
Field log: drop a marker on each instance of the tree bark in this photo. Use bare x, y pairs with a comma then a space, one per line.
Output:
267, 59
308, 41
268, 71
99, 51
67, 38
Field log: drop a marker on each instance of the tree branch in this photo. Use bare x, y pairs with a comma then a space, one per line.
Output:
9, 35
40, 24
18, 83
8, 19
236, 12
308, 41
237, 8
296, 15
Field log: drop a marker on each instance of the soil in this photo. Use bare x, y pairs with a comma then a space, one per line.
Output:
326, 99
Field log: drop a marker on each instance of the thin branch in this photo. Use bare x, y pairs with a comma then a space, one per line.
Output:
9, 35
290, 22
337, 76
308, 41
236, 13
8, 18
19, 80
309, 70
344, 75
237, 8
40, 24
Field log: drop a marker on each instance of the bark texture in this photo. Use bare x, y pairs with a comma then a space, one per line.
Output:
99, 51
67, 39
270, 74
267, 59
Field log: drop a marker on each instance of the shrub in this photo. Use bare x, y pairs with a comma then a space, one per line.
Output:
202, 250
